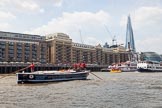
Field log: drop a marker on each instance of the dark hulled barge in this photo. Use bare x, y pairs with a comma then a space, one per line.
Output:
51, 76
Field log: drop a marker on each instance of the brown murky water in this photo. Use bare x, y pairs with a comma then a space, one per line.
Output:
116, 90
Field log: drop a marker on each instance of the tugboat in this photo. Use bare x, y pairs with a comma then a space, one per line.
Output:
149, 66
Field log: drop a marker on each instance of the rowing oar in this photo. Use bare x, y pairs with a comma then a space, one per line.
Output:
96, 76
20, 69
15, 71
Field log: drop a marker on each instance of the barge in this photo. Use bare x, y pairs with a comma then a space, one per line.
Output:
51, 76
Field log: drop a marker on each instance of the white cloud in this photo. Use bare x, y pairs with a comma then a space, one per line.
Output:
4, 26
21, 6
4, 2
29, 5
147, 24
6, 15
58, 3
144, 17
92, 40
71, 23
150, 44
148, 16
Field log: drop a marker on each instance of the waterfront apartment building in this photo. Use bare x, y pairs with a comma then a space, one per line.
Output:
61, 50
22, 48
55, 48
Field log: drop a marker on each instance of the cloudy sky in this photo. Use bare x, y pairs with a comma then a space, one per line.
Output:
87, 21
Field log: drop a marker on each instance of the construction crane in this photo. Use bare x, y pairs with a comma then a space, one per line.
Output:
112, 37
81, 36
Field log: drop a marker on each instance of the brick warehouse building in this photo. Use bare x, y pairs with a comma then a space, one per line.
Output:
16, 47
55, 48
62, 50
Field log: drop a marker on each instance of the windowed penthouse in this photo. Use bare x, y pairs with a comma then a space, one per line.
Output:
16, 47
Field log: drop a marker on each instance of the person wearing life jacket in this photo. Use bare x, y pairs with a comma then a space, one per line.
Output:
78, 67
32, 67
82, 66
75, 66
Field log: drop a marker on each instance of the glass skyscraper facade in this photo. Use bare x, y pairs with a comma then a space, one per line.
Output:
150, 56
130, 44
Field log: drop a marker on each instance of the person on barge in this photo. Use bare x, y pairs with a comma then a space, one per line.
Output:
32, 66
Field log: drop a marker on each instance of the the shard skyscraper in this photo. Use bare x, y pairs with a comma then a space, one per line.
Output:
130, 45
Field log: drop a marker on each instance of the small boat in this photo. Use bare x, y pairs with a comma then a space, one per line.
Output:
128, 66
115, 70
125, 66
51, 76
149, 66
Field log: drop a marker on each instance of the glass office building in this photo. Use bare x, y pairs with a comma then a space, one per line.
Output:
150, 56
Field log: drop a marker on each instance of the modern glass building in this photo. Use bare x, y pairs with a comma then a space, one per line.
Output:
130, 44
150, 56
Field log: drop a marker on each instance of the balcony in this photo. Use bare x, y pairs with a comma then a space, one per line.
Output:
19, 48
11, 44
11, 47
11, 56
19, 44
27, 44
34, 52
3, 47
2, 43
11, 51
34, 56
27, 47
19, 59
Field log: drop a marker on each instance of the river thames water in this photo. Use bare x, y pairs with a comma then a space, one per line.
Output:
116, 90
